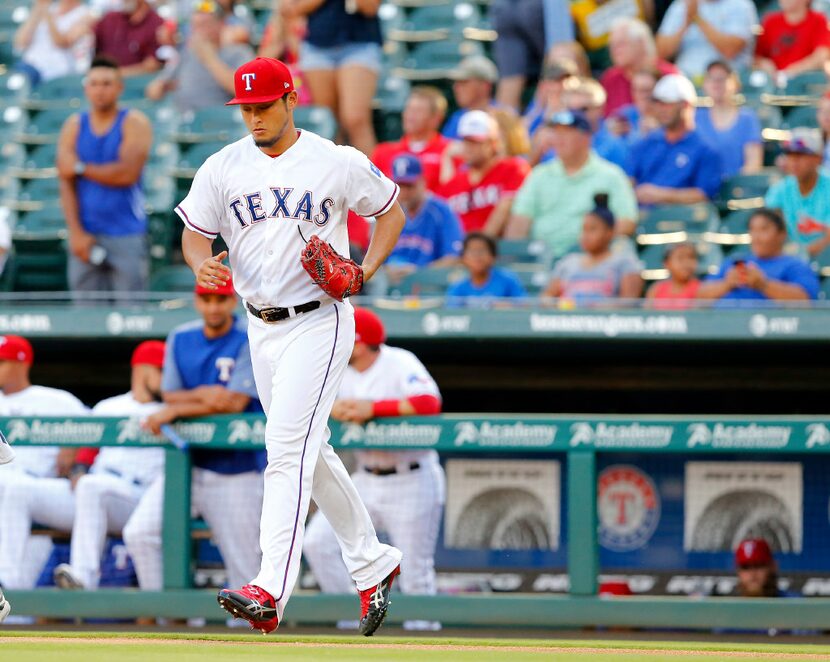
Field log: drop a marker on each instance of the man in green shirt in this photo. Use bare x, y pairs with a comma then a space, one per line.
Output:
556, 195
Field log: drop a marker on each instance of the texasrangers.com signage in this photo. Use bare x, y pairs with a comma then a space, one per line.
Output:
458, 433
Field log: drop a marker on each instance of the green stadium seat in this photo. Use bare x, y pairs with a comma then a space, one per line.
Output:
318, 119
40, 189
429, 282
173, 278
709, 258
668, 224
810, 83
769, 116
45, 126
436, 22
754, 83
801, 116
64, 92
534, 280
13, 121
134, 86
747, 191
435, 60
40, 256
527, 251
217, 123
48, 221
733, 231
823, 293
14, 88
821, 263
7, 55
193, 157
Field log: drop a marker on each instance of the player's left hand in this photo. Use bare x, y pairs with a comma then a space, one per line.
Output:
154, 422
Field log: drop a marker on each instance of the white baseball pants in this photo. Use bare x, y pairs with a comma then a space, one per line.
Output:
100, 504
298, 366
229, 503
408, 508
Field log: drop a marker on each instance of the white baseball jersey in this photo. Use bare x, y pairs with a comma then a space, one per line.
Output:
396, 374
131, 463
258, 203
39, 401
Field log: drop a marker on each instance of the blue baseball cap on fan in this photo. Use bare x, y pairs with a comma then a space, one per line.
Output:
406, 169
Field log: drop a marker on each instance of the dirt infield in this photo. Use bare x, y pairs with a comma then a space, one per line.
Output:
282, 645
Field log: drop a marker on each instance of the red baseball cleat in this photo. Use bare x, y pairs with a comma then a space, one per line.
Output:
374, 602
252, 604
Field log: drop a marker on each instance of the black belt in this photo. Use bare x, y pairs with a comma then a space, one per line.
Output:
273, 314
389, 471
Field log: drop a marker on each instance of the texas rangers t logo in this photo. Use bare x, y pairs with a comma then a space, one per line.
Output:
248, 78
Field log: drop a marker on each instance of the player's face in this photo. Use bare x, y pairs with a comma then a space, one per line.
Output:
765, 237
269, 122
216, 310
102, 87
753, 579
10, 372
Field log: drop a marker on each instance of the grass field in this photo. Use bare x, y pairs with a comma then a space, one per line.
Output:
95, 647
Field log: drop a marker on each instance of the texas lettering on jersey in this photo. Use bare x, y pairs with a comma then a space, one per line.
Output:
250, 208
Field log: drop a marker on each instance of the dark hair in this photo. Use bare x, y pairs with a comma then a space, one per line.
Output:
772, 216
723, 64
671, 248
486, 238
104, 62
601, 210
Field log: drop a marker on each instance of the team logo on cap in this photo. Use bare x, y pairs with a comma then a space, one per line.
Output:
629, 508
248, 78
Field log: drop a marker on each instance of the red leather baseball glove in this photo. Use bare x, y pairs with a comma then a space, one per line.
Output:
337, 276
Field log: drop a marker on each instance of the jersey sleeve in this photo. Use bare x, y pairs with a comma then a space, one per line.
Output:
171, 378
201, 210
415, 379
368, 191
242, 377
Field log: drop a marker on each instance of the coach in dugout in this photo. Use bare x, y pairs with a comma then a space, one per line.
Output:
207, 370
404, 491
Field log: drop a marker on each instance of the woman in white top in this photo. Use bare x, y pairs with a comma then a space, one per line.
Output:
55, 40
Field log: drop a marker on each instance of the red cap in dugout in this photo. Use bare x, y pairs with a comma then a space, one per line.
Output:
368, 327
16, 348
150, 352
261, 81
754, 551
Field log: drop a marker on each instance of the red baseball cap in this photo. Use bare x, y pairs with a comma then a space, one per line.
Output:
368, 327
753, 551
150, 352
16, 348
260, 81
225, 290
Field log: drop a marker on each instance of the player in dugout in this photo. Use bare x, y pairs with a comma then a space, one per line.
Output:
404, 490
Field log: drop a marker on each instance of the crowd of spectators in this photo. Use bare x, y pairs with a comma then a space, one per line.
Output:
534, 136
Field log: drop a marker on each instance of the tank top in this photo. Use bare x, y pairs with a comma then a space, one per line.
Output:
665, 299
108, 210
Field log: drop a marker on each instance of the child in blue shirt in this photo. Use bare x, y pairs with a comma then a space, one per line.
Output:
486, 281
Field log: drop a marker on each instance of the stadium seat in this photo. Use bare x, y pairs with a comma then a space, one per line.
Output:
435, 60
755, 83
194, 156
14, 88
13, 121
823, 294
173, 278
435, 22
747, 191
64, 92
318, 119
652, 258
533, 278
801, 116
528, 251
733, 231
668, 224
428, 282
810, 83
821, 263
45, 126
46, 221
217, 123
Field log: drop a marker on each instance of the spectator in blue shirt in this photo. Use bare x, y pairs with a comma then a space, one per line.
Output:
486, 281
803, 197
432, 235
733, 131
765, 273
674, 165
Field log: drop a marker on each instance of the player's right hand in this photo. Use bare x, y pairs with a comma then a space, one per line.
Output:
80, 243
212, 273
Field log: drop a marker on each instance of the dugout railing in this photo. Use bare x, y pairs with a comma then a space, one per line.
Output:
578, 439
